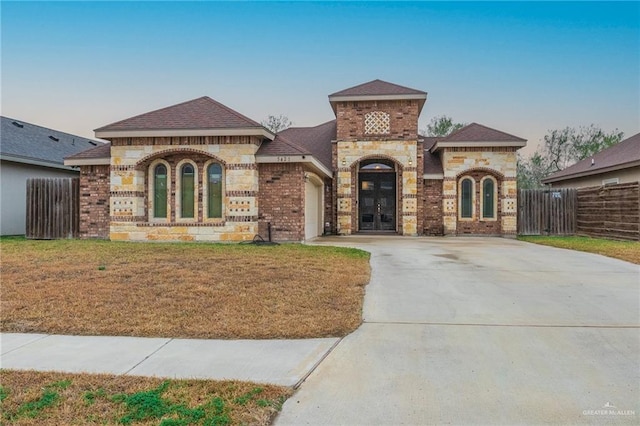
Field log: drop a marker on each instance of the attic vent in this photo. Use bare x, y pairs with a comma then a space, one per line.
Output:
15, 123
93, 143
53, 138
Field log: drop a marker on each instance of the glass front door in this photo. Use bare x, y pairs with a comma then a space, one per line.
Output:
377, 203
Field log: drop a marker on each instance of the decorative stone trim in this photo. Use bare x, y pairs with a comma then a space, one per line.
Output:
241, 218
242, 166
127, 194
182, 224
241, 193
121, 168
481, 169
377, 123
128, 218
177, 150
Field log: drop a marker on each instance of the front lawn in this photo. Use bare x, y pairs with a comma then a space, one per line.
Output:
625, 250
85, 287
34, 398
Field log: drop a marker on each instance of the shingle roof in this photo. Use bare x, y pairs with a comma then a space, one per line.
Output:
621, 155
432, 161
101, 151
200, 113
378, 87
475, 132
314, 141
22, 141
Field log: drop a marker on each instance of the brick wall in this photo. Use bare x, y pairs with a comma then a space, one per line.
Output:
433, 223
281, 201
94, 201
403, 119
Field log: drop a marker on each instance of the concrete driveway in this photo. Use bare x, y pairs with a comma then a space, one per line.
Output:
482, 331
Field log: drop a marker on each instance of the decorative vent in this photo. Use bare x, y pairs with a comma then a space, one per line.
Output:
376, 123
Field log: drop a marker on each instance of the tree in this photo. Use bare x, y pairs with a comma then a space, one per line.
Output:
442, 126
277, 123
563, 148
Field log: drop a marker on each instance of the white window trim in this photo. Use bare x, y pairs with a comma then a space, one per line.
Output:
205, 193
179, 166
473, 199
152, 191
495, 199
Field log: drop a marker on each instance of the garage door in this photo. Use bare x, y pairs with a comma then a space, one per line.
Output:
312, 212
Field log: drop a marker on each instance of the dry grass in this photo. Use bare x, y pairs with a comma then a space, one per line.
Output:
35, 398
181, 290
624, 250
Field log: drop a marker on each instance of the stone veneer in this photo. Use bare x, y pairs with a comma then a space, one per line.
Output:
499, 162
399, 144
130, 207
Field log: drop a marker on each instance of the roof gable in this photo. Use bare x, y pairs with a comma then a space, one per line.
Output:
378, 90
315, 141
199, 114
28, 143
475, 132
624, 154
377, 87
477, 135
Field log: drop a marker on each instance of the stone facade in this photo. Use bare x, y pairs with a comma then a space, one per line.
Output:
498, 162
368, 169
131, 204
399, 145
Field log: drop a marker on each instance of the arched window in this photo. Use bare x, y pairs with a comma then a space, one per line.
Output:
187, 191
214, 190
466, 198
160, 191
488, 198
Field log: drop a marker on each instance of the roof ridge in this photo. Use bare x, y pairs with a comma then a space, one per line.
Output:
149, 112
232, 111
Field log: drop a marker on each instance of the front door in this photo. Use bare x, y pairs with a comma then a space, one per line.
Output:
377, 203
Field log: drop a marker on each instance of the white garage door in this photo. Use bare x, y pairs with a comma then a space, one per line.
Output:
312, 212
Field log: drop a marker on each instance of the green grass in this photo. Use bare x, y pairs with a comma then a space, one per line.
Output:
48, 399
624, 250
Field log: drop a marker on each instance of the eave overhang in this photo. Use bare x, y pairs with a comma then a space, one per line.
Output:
309, 160
593, 172
142, 133
488, 144
36, 162
421, 98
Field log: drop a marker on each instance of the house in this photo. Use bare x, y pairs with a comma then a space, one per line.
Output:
30, 151
200, 171
619, 163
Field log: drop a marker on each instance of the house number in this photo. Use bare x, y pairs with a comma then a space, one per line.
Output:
284, 159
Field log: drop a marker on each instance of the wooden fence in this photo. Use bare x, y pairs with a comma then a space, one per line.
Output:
53, 208
610, 211
547, 212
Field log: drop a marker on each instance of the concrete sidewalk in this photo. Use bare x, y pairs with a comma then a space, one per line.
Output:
280, 362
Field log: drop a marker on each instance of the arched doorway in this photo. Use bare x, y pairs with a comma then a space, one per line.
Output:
377, 196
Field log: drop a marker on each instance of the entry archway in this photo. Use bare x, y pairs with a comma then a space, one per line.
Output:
377, 199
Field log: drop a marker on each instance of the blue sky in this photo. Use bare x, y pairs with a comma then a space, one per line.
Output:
520, 67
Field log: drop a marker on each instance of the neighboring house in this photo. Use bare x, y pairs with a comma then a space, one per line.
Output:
30, 151
200, 171
619, 163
